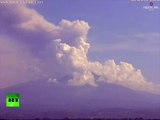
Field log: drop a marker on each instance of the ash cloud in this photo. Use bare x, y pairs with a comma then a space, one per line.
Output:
32, 48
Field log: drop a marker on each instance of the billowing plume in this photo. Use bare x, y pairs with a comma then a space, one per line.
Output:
33, 48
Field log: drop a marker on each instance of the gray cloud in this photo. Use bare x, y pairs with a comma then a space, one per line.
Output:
140, 42
32, 48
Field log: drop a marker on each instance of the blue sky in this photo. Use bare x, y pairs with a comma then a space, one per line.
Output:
120, 29
121, 46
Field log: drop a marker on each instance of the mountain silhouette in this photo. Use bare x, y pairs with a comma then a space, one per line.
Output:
41, 98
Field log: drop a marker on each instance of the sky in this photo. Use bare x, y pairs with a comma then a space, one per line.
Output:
118, 41
122, 30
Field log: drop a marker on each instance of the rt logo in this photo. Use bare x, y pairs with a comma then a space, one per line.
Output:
12, 100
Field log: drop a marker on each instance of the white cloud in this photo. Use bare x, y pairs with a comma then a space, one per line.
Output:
123, 74
52, 80
55, 51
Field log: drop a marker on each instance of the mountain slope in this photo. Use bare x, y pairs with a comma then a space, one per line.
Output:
41, 98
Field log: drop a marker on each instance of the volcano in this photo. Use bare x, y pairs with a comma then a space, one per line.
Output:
44, 99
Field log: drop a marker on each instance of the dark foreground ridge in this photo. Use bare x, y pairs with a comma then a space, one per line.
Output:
85, 119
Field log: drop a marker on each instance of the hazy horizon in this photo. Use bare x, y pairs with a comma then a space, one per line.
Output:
106, 53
